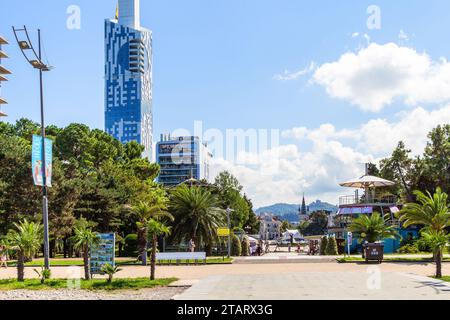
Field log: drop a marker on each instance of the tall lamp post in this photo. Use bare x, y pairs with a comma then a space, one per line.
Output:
229, 231
25, 45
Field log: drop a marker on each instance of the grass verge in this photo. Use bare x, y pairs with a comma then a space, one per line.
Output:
388, 259
95, 284
444, 278
121, 262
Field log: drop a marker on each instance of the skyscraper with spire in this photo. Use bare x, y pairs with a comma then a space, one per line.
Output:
128, 77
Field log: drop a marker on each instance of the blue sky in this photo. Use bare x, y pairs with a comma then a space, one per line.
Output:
217, 61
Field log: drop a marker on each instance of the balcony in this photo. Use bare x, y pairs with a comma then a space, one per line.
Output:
377, 199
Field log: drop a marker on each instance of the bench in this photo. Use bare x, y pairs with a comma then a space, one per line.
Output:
181, 256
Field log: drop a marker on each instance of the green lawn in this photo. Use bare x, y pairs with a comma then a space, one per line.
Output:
445, 278
390, 259
121, 262
96, 284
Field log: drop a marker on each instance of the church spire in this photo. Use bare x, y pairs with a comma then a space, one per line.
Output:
303, 210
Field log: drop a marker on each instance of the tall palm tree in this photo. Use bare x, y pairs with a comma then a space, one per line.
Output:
26, 240
372, 228
432, 212
144, 211
197, 214
83, 239
155, 229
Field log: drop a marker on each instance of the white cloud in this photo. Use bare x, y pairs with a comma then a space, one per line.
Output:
335, 156
403, 36
289, 76
376, 76
380, 136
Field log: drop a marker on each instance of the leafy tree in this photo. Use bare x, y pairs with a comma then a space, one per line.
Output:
316, 225
437, 158
252, 225
398, 168
285, 226
19, 197
197, 215
25, 239
229, 192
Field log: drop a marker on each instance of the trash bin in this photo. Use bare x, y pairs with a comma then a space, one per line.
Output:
374, 252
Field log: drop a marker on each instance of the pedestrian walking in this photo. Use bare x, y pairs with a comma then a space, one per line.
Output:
191, 245
3, 257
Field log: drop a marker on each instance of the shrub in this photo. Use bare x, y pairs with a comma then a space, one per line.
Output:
422, 245
130, 248
110, 271
409, 248
44, 274
323, 245
332, 249
245, 247
236, 249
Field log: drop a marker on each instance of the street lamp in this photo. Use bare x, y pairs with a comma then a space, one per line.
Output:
229, 210
26, 47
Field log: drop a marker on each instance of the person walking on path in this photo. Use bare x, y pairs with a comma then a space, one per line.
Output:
3, 257
191, 245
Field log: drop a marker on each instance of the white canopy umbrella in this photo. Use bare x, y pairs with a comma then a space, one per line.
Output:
367, 182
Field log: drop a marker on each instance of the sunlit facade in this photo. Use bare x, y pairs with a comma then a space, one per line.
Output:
128, 78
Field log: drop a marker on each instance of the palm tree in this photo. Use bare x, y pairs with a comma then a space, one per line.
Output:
155, 229
372, 228
197, 214
110, 271
26, 239
437, 240
144, 211
83, 239
432, 212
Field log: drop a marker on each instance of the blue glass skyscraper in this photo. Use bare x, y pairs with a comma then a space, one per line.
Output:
128, 77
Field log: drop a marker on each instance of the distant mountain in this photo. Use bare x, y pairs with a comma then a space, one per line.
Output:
289, 212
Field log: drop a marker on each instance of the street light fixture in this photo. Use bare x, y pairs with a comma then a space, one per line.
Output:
26, 46
229, 210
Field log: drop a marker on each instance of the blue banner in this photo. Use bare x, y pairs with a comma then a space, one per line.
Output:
36, 161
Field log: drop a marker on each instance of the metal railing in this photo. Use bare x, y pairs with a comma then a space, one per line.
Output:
377, 199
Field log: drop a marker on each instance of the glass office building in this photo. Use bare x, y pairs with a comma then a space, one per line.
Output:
128, 77
181, 159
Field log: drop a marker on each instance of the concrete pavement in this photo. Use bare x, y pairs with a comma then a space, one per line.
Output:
373, 285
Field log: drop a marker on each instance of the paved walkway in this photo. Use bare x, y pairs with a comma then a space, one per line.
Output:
284, 257
288, 280
372, 285
204, 271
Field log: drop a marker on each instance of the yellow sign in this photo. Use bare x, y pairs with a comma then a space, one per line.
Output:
223, 232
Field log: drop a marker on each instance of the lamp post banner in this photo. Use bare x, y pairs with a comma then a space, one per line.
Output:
36, 161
